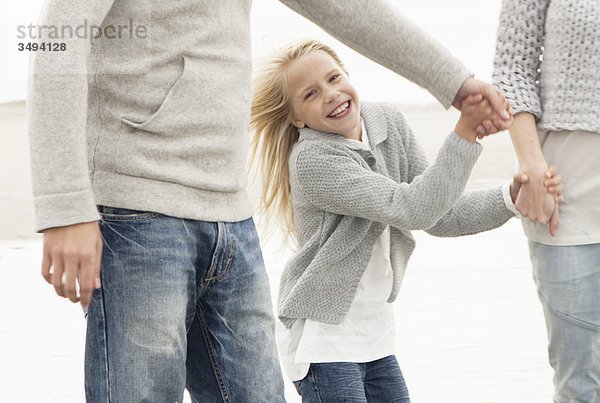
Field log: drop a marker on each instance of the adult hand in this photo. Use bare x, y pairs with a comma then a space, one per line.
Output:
72, 254
496, 99
533, 201
553, 185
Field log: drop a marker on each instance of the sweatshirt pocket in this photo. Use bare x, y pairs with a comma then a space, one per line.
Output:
198, 135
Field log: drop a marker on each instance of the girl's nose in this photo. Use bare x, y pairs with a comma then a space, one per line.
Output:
331, 95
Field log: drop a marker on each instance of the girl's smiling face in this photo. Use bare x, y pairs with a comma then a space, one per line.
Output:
322, 97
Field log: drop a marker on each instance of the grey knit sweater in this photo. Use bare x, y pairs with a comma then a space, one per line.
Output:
563, 90
158, 120
343, 197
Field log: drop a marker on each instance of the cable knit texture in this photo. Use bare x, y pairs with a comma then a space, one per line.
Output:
343, 197
547, 58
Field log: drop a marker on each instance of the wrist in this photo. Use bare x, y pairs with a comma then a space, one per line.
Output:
464, 132
536, 170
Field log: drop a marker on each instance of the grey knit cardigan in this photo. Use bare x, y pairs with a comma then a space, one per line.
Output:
546, 62
343, 196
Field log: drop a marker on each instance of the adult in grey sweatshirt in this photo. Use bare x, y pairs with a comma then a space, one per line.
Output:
138, 137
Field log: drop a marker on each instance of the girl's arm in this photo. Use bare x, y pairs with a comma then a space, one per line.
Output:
331, 179
474, 212
484, 210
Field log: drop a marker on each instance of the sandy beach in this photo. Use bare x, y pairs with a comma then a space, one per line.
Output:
469, 325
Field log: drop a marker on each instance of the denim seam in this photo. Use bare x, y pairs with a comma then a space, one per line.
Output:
216, 255
230, 245
573, 319
212, 356
128, 217
104, 328
311, 375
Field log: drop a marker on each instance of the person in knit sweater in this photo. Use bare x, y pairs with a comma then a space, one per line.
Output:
546, 63
348, 181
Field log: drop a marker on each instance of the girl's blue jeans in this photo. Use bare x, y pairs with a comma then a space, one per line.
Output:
378, 381
183, 304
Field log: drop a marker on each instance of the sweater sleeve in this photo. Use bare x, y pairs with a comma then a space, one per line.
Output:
332, 180
517, 61
57, 113
474, 212
377, 30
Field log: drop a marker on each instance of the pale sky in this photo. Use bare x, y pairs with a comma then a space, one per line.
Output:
466, 27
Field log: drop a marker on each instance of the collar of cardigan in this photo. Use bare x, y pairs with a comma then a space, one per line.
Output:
374, 121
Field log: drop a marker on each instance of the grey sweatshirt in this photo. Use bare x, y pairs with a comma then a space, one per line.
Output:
343, 198
157, 118
563, 89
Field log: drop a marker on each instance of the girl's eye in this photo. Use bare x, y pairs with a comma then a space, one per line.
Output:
334, 77
309, 94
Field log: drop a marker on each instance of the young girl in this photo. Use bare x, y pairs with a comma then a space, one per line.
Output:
348, 181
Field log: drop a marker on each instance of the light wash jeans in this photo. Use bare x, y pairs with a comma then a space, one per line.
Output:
568, 282
378, 381
183, 304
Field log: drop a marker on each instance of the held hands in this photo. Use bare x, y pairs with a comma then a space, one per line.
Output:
503, 118
72, 255
523, 190
474, 110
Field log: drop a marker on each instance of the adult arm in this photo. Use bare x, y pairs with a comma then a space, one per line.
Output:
57, 113
516, 72
379, 31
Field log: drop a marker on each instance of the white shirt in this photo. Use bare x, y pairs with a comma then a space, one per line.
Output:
573, 153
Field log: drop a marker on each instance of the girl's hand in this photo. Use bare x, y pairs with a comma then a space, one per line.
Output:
475, 110
552, 183
495, 97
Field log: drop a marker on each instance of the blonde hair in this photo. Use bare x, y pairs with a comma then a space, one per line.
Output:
273, 132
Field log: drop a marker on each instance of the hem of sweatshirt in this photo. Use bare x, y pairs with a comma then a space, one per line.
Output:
557, 124
62, 209
171, 199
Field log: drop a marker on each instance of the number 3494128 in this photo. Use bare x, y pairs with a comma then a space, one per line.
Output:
43, 47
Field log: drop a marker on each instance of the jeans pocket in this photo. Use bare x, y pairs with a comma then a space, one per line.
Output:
121, 214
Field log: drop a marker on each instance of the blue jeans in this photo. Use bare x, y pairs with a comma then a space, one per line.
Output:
183, 304
568, 283
378, 381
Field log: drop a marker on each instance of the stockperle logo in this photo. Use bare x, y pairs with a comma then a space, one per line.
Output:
131, 30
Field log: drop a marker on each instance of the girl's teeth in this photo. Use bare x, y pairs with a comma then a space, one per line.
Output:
340, 109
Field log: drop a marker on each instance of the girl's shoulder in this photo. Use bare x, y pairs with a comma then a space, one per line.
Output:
384, 121
384, 116
383, 112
